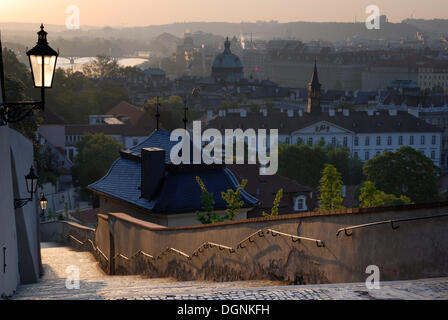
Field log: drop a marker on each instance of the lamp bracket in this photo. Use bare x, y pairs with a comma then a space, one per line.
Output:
19, 203
11, 112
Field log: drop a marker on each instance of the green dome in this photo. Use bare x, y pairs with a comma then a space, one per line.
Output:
227, 66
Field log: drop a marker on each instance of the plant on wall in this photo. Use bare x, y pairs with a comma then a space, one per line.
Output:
208, 203
274, 209
233, 199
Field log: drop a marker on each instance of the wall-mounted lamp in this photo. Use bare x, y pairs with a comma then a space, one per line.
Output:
43, 65
31, 185
43, 206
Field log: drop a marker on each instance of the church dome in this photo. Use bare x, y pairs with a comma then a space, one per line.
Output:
227, 66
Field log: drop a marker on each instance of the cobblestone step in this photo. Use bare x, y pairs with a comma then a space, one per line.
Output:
95, 284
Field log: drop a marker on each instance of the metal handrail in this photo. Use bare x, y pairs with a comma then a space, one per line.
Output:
91, 242
391, 222
318, 242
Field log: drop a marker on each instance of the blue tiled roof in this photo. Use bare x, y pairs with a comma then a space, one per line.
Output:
179, 192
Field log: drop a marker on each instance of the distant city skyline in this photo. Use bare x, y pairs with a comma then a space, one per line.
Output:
155, 12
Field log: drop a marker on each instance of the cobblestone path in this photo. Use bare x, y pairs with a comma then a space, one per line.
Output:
95, 284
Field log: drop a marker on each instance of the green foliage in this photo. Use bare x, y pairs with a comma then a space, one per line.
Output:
405, 172
46, 165
101, 67
330, 188
276, 204
233, 199
208, 204
229, 104
304, 163
74, 96
96, 153
370, 197
171, 112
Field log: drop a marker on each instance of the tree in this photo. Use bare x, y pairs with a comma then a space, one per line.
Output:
274, 209
208, 204
102, 67
305, 163
405, 172
371, 197
330, 188
96, 153
233, 199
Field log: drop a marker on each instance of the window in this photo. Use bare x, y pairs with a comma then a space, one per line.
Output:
378, 140
333, 140
300, 203
400, 140
299, 140
433, 140
355, 154
411, 140
367, 141
433, 155
422, 140
287, 140
389, 140
345, 141
366, 156
310, 141
356, 142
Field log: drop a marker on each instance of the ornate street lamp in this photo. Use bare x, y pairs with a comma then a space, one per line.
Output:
43, 206
43, 202
43, 65
31, 185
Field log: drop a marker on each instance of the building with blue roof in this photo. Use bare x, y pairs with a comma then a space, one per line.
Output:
144, 183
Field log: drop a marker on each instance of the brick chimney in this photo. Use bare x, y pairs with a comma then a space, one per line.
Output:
153, 171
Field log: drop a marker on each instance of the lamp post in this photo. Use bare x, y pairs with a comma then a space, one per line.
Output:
43, 205
43, 65
31, 185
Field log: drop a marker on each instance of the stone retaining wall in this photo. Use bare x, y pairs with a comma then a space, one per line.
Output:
300, 248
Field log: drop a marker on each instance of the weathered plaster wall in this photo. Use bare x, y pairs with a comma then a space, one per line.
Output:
9, 275
257, 249
19, 229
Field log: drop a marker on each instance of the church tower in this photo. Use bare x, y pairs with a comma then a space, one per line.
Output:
314, 93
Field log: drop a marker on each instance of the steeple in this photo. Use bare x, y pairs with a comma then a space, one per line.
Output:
314, 92
227, 46
315, 76
157, 113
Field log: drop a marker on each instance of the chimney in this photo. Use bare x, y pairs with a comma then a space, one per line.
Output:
153, 171
209, 115
346, 112
413, 112
264, 111
290, 113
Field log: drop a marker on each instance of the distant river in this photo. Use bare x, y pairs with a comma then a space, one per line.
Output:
64, 63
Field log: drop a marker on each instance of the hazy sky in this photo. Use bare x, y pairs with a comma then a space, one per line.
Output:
153, 12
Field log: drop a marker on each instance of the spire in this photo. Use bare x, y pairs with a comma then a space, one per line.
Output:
157, 113
315, 76
185, 119
227, 46
314, 92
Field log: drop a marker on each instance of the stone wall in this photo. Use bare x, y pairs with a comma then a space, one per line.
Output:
301, 248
